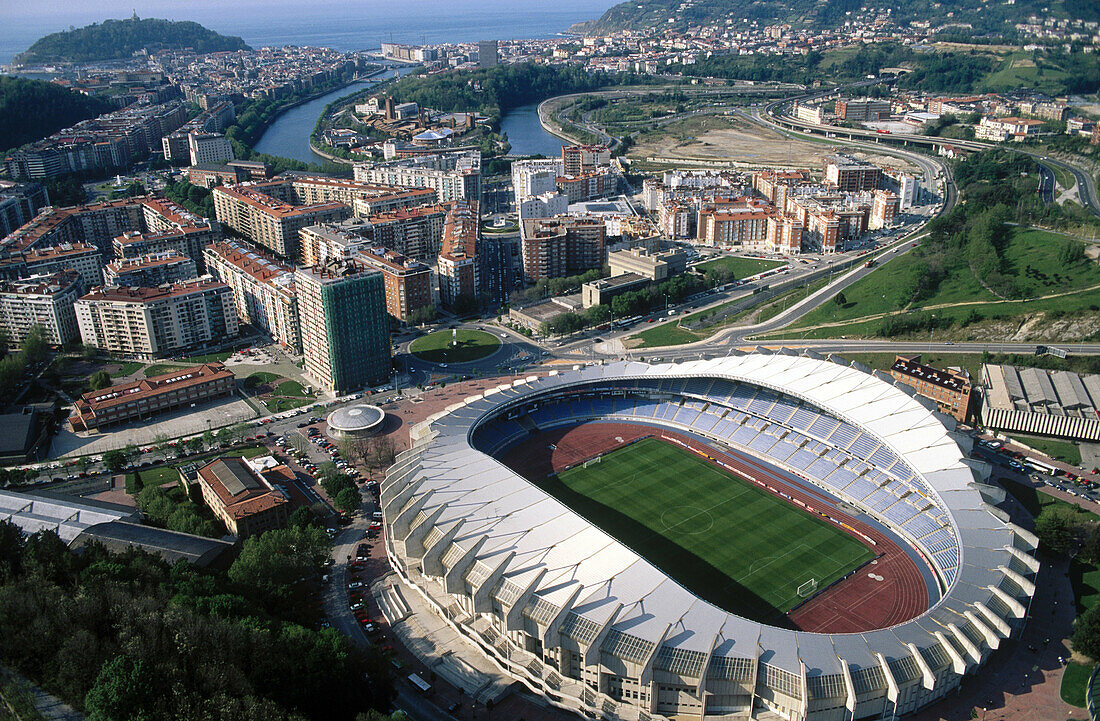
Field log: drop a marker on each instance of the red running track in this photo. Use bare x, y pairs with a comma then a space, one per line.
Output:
858, 603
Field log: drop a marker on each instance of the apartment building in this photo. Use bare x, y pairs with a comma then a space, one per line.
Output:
209, 148
269, 221
532, 178
544, 205
408, 281
263, 289
148, 323
416, 233
43, 300
862, 109
580, 159
740, 225
457, 267
84, 258
453, 175
96, 224
557, 247
851, 175
1010, 128
949, 388
146, 398
884, 209
19, 202
239, 493
345, 327
208, 175
168, 266
598, 183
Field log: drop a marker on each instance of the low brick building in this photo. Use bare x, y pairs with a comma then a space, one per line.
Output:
243, 497
145, 398
950, 388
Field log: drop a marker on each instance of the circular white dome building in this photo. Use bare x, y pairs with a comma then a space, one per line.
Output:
356, 421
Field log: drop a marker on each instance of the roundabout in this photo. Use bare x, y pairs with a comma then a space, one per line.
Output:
457, 346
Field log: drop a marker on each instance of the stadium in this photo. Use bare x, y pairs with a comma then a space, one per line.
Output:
767, 535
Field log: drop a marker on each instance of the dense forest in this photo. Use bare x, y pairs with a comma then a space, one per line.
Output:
114, 39
32, 109
125, 636
982, 16
495, 91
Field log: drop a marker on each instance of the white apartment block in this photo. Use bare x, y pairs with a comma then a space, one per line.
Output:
43, 300
150, 323
535, 177
209, 148
453, 176
545, 205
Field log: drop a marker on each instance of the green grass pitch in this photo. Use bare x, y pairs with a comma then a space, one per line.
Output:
726, 540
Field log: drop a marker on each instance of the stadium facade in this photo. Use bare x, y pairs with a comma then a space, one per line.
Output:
594, 627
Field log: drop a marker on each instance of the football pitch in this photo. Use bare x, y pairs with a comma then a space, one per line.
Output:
726, 540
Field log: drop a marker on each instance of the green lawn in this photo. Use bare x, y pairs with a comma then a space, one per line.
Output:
155, 476
278, 405
161, 368
1074, 681
472, 345
740, 267
693, 520
291, 388
125, 368
666, 334
1064, 451
261, 377
884, 290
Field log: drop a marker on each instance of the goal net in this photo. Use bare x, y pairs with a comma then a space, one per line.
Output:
807, 588
597, 459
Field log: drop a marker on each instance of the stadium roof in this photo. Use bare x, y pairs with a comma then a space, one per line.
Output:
67, 518
514, 532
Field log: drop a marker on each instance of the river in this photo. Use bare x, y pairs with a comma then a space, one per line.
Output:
288, 136
527, 135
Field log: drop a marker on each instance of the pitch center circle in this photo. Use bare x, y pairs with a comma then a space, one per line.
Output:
688, 519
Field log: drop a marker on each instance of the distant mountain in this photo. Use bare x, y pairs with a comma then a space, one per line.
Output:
983, 16
32, 109
114, 39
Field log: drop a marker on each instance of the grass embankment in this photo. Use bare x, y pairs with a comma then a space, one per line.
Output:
471, 345
673, 332
1064, 451
689, 516
960, 296
739, 267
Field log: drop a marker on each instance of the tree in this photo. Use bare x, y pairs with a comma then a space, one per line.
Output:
272, 563
123, 691
349, 499
839, 299
114, 460
35, 346
302, 517
1059, 530
1086, 633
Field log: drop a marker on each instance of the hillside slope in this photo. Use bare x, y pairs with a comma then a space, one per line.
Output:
113, 39
32, 109
983, 17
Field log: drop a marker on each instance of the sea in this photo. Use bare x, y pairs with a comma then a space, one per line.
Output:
344, 25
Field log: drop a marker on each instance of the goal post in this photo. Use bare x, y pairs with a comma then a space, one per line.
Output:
808, 588
597, 459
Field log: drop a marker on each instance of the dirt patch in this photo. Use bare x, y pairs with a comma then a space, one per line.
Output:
739, 142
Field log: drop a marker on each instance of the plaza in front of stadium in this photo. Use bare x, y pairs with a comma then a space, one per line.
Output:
761, 536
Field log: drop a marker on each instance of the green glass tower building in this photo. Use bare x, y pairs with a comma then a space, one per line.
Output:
345, 329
